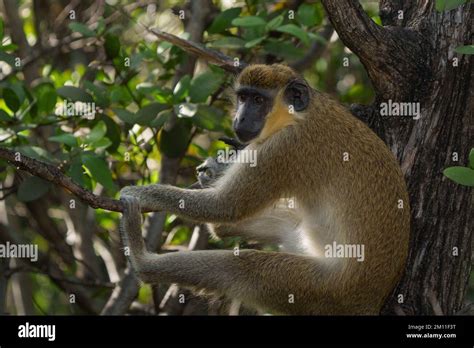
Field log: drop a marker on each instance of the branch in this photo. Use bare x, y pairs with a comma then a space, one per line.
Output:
50, 173
196, 49
358, 32
393, 56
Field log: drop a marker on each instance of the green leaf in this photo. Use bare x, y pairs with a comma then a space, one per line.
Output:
4, 116
283, 49
125, 115
47, 100
254, 42
7, 58
1, 29
468, 49
146, 115
471, 159
202, 86
223, 20
173, 143
96, 133
11, 99
32, 188
75, 94
209, 117
249, 21
162, 117
228, 42
102, 143
100, 26
181, 88
119, 94
99, 170
295, 31
460, 175
448, 5
100, 94
76, 172
81, 28
64, 138
35, 152
112, 46
307, 15
274, 23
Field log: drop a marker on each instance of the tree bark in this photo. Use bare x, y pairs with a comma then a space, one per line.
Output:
412, 59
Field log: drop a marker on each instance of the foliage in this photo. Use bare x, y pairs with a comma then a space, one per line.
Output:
462, 175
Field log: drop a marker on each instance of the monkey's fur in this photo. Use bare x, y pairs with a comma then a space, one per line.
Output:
300, 157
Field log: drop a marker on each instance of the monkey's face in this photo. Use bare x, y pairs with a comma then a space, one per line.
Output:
253, 104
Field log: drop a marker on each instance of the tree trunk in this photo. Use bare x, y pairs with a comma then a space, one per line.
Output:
412, 59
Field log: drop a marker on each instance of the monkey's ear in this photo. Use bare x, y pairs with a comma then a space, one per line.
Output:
297, 94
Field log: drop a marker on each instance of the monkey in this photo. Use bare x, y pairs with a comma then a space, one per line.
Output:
348, 191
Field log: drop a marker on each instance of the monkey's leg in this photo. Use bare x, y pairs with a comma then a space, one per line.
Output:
280, 282
274, 226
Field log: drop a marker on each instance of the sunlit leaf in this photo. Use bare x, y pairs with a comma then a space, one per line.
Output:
228, 42
469, 49
202, 86
11, 99
307, 15
64, 138
100, 170
448, 5
294, 30
275, 23
249, 21
460, 175
181, 88
254, 42
96, 133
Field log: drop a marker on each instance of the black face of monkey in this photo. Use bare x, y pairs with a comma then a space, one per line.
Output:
253, 104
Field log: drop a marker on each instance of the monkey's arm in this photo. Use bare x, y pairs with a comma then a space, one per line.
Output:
241, 192
273, 281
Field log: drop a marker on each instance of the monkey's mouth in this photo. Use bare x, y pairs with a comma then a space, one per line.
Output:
245, 136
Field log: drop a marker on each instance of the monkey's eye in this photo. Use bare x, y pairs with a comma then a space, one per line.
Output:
242, 98
258, 99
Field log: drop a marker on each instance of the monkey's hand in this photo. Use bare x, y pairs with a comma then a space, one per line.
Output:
141, 195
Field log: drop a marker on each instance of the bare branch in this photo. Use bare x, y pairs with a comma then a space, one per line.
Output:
211, 56
51, 173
